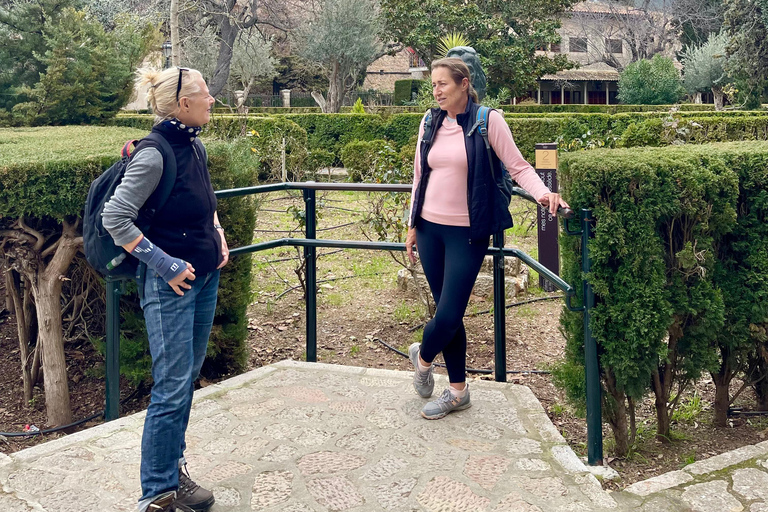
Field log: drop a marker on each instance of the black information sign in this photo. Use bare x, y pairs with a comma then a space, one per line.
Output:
546, 167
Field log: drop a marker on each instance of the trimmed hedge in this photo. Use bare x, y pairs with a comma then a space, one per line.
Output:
404, 90
681, 238
608, 109
46, 172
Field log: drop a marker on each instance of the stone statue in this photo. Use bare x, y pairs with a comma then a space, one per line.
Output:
472, 60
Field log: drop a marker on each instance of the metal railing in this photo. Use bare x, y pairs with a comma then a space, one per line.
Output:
594, 423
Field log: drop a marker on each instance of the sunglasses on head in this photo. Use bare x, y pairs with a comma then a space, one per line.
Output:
178, 84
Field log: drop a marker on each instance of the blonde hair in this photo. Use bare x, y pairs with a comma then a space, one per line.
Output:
459, 71
162, 89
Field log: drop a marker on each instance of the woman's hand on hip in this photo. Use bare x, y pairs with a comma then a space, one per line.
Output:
552, 202
180, 283
410, 243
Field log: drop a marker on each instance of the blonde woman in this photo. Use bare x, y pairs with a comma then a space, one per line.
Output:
180, 255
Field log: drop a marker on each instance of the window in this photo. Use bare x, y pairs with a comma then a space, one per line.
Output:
415, 61
555, 48
577, 45
613, 46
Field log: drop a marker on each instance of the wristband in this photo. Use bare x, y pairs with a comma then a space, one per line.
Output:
166, 266
218, 226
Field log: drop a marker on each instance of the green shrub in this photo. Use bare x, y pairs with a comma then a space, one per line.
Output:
666, 220
45, 174
319, 159
360, 157
650, 82
645, 133
404, 90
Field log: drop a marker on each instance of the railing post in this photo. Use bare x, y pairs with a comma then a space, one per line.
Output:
594, 412
499, 311
112, 407
310, 261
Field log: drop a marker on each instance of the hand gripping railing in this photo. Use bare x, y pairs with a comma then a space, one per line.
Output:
311, 243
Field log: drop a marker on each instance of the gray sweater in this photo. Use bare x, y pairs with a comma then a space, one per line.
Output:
141, 179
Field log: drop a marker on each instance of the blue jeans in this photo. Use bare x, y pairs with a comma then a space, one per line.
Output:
178, 328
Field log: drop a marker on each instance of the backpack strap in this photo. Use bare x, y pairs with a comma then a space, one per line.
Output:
168, 179
126, 151
481, 125
428, 128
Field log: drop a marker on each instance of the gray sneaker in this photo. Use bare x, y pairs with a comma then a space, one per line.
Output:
437, 409
423, 382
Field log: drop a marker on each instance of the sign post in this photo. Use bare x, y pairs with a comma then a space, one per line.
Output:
549, 254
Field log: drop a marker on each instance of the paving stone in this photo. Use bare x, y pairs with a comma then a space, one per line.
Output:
385, 418
243, 395
203, 408
336, 493
493, 396
227, 470
547, 488
545, 428
515, 503
472, 445
355, 407
32, 481
758, 507
510, 419
243, 429
285, 377
486, 470
525, 447
313, 437
444, 494
394, 495
12, 504
567, 459
711, 497
226, 496
329, 462
296, 507
271, 488
411, 447
304, 394
589, 485
751, 483
360, 439
526, 398
300, 414
484, 431
723, 460
118, 439
220, 445
70, 500
280, 454
385, 398
659, 483
209, 425
253, 446
384, 468
282, 431
124, 456
532, 465
376, 382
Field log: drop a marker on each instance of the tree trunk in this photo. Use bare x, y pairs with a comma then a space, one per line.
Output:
616, 414
175, 42
335, 90
661, 391
718, 93
697, 98
46, 288
722, 398
759, 370
22, 329
228, 32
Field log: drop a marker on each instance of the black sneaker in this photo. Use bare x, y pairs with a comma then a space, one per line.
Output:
192, 495
167, 503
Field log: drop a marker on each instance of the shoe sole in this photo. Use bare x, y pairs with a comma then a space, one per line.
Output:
444, 414
202, 507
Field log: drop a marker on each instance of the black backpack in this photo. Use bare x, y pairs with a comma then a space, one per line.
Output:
100, 250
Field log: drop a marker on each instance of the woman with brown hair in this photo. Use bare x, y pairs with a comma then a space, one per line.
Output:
455, 206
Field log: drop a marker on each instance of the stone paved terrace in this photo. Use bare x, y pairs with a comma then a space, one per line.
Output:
302, 437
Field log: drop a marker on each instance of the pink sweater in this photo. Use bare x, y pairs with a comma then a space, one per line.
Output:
445, 200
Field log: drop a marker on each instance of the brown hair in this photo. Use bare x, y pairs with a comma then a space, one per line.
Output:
162, 89
459, 71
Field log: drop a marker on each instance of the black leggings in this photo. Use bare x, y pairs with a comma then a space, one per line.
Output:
451, 264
